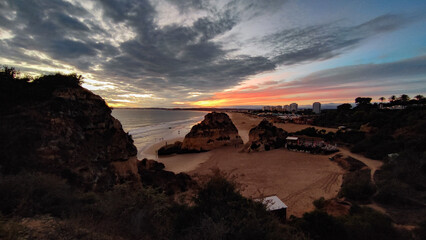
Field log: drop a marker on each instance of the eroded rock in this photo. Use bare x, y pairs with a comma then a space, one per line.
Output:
265, 137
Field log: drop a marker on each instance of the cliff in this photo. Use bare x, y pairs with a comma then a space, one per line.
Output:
264, 137
216, 130
56, 126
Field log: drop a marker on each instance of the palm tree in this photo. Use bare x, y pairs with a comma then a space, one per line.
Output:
382, 99
392, 98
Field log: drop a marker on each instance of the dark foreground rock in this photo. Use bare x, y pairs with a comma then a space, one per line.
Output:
152, 173
63, 130
265, 137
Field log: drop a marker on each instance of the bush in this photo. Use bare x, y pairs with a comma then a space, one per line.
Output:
357, 185
136, 211
366, 223
28, 194
392, 192
319, 225
221, 212
319, 203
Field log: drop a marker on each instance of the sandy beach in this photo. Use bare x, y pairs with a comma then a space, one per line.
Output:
296, 178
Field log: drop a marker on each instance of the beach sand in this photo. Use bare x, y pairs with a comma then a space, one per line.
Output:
296, 178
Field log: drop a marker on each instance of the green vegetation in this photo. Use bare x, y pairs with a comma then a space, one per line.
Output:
361, 223
130, 211
357, 186
395, 136
17, 89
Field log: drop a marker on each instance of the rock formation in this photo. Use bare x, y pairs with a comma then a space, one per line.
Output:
265, 137
152, 173
216, 130
170, 149
63, 130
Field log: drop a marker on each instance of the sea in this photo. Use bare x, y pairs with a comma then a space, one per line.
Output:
151, 126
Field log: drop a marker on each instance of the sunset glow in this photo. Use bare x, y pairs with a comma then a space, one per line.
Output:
222, 54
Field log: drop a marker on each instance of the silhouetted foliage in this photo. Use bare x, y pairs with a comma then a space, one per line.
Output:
319, 225
362, 100
357, 185
221, 212
28, 194
360, 224
17, 90
344, 107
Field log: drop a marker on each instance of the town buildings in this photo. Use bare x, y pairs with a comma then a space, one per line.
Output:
293, 107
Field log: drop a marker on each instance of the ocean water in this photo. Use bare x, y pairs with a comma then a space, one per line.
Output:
150, 126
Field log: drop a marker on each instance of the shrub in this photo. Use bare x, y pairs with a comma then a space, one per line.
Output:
319, 203
136, 211
320, 225
357, 185
221, 212
28, 194
366, 223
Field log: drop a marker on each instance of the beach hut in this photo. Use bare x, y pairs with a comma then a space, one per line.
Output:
292, 140
276, 206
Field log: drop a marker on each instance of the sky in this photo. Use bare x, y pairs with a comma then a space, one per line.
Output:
221, 53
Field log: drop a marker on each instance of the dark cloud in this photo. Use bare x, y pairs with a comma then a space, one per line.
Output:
322, 42
409, 71
171, 60
183, 55
53, 28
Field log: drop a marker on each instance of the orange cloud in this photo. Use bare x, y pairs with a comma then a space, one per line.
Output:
284, 94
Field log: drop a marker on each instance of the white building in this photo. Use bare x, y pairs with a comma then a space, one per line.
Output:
293, 107
316, 107
275, 205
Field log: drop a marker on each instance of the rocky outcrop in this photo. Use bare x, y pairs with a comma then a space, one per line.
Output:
265, 137
152, 173
216, 130
67, 131
170, 149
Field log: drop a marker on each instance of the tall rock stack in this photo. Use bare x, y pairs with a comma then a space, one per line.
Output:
265, 137
216, 130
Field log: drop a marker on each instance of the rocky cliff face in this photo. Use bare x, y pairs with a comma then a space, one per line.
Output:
265, 137
69, 131
216, 130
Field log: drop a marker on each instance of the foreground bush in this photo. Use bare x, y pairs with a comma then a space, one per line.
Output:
360, 224
28, 194
221, 212
357, 185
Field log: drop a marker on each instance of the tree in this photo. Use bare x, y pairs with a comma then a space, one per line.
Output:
404, 98
419, 97
8, 73
382, 99
392, 98
344, 107
362, 100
